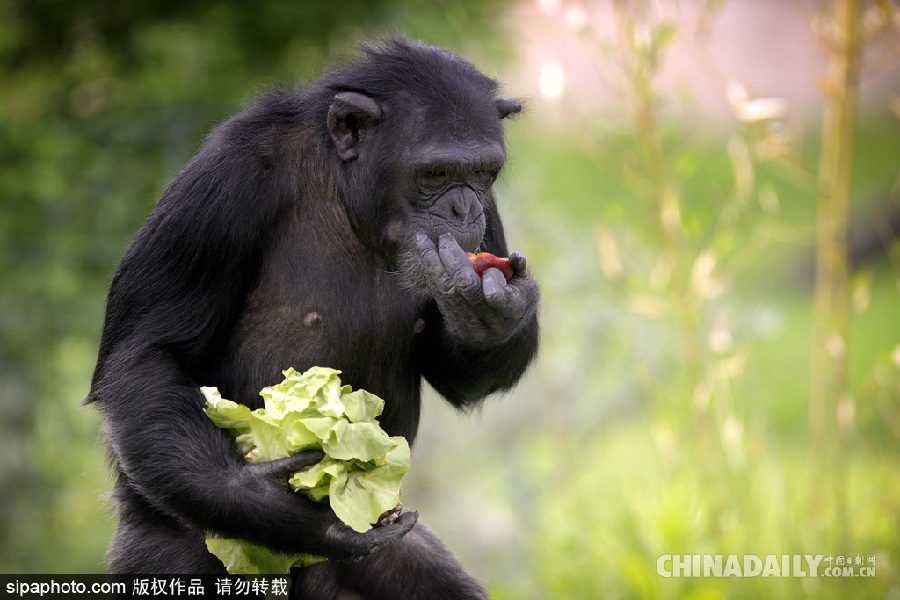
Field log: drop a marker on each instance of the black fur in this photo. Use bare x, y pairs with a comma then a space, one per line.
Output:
270, 250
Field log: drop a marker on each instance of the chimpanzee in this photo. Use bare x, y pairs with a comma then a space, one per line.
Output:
326, 225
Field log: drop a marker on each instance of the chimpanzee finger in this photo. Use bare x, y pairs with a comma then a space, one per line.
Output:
514, 299
290, 465
459, 267
451, 254
436, 276
355, 546
518, 262
494, 287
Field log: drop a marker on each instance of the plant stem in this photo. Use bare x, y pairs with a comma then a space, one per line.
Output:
641, 67
830, 400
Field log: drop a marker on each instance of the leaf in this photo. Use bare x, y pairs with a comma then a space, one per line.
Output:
362, 406
249, 559
363, 441
328, 399
298, 391
319, 479
269, 439
359, 477
225, 413
320, 426
365, 495
298, 435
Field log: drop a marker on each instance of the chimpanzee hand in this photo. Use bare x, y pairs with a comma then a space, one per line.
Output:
306, 526
478, 311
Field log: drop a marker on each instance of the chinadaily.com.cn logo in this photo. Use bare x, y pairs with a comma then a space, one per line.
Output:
767, 565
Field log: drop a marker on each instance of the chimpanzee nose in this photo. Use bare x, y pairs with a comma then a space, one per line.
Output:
463, 203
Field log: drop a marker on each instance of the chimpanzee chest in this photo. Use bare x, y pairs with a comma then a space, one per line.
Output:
342, 308
359, 321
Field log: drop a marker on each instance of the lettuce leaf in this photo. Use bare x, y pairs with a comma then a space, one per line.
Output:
360, 475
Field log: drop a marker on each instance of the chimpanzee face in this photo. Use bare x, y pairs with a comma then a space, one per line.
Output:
447, 189
421, 169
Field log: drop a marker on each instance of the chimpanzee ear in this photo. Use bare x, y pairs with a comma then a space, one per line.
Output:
350, 117
507, 107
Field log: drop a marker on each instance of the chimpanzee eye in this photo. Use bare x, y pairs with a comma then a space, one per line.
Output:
484, 178
433, 178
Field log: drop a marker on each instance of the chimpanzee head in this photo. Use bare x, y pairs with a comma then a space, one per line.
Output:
419, 141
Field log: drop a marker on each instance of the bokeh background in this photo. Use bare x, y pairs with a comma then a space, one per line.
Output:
703, 386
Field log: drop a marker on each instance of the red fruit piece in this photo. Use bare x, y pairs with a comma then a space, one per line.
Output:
485, 260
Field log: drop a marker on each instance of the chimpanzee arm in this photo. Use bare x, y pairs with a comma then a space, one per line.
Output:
467, 357
418, 567
465, 375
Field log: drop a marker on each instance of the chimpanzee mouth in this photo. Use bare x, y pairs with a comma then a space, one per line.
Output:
469, 237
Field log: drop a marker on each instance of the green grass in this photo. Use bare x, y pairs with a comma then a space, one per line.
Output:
617, 503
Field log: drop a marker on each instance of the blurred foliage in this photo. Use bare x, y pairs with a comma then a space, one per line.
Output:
677, 270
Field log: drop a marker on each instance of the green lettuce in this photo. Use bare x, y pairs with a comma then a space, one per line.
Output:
359, 477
